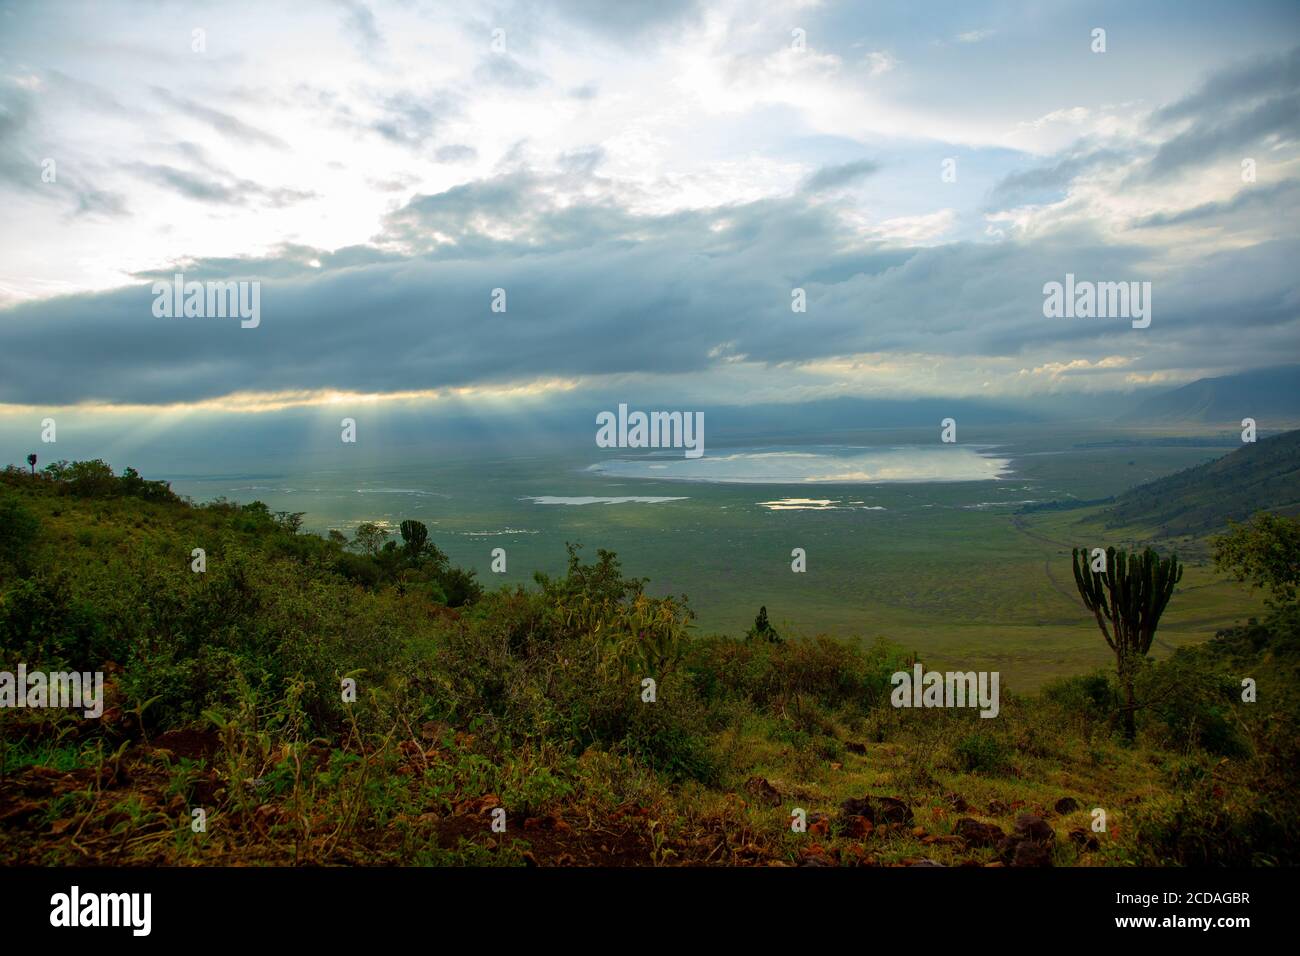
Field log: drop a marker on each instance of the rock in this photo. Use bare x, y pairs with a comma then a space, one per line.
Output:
762, 791
1066, 805
1084, 839
1034, 828
1032, 854
918, 831
878, 810
817, 855
858, 827
858, 807
976, 833
997, 808
1030, 844
943, 840
819, 823
957, 802
926, 861
896, 811
854, 748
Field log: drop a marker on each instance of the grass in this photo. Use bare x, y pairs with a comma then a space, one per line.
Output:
223, 696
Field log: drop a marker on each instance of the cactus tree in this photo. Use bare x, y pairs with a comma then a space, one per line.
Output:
414, 535
1127, 598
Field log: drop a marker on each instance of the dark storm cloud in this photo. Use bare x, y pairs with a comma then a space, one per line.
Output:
595, 289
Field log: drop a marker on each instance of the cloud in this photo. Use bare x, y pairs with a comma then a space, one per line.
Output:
216, 187
594, 290
1056, 177
224, 123
23, 162
837, 177
629, 21
362, 25
410, 119
1233, 110
501, 69
1251, 200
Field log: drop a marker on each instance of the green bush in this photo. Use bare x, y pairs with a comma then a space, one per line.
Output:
1190, 702
18, 532
982, 753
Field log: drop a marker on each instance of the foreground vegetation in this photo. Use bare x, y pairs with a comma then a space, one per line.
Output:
225, 694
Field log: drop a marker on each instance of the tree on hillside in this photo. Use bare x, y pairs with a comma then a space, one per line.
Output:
31, 462
1265, 552
369, 538
290, 521
763, 629
1127, 599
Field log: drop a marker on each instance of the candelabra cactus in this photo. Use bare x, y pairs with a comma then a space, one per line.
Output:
1127, 596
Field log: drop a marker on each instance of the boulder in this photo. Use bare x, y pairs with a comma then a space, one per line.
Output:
878, 810
1030, 844
976, 833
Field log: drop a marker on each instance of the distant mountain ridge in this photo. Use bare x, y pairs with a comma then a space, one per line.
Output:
1261, 476
1266, 395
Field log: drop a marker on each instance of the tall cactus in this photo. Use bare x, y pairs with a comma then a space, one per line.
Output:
414, 535
1127, 598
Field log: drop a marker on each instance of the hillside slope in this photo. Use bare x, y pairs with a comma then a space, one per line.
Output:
1262, 476
1270, 396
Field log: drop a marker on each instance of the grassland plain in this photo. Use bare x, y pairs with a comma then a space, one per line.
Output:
947, 569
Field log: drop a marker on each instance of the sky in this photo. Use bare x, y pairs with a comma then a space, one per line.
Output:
649, 184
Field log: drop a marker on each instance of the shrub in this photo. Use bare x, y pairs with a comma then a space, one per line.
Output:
982, 753
18, 531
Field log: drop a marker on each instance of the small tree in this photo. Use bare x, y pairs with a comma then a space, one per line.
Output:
763, 629
1265, 552
369, 538
31, 462
1127, 598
